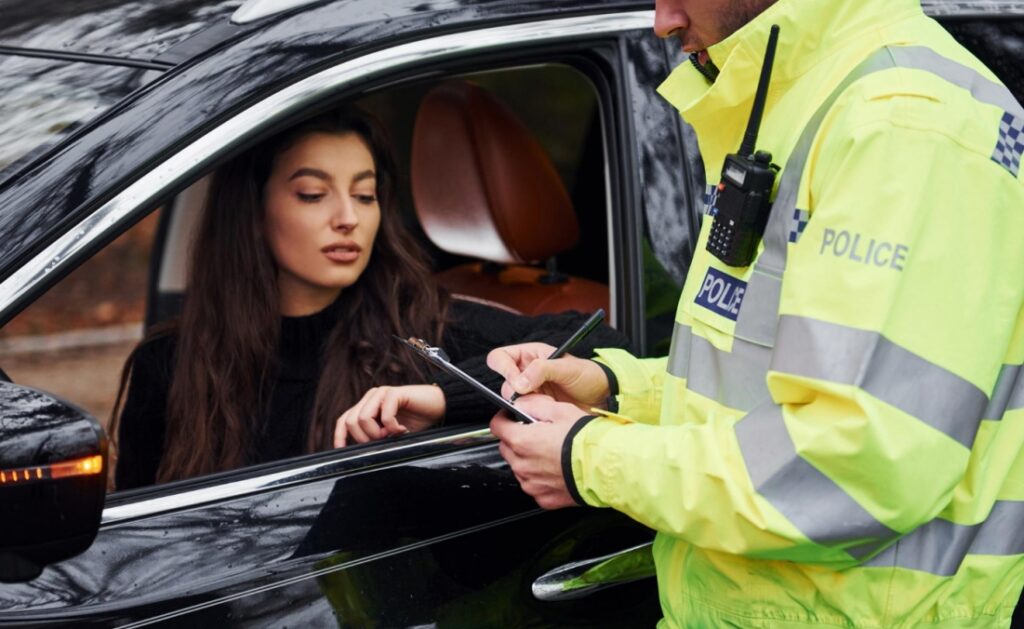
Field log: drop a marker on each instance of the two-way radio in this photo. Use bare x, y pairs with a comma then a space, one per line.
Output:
745, 189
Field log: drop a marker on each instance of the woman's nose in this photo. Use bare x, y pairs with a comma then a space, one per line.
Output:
344, 217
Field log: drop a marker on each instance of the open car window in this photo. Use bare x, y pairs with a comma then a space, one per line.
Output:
73, 341
558, 105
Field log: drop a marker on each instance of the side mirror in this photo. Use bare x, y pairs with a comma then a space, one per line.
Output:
53, 463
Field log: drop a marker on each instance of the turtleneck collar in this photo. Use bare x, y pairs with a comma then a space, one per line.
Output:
302, 339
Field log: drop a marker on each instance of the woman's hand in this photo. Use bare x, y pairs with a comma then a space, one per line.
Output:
526, 369
386, 411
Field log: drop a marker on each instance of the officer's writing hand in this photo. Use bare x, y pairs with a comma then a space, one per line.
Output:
526, 369
386, 411
534, 451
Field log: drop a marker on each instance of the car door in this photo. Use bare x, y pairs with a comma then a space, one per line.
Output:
430, 529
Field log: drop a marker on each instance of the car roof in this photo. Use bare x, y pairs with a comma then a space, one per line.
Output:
172, 31
124, 29
169, 32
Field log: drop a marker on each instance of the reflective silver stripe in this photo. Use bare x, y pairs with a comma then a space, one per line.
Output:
835, 353
981, 88
759, 314
1016, 400
679, 353
940, 546
735, 379
813, 502
1008, 393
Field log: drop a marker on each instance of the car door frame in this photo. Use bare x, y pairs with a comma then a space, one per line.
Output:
130, 205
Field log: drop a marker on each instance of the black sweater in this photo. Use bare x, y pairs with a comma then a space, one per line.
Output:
472, 331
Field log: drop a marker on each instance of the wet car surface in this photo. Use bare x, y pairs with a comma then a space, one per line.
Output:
428, 530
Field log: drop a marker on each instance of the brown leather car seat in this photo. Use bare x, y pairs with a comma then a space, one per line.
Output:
484, 187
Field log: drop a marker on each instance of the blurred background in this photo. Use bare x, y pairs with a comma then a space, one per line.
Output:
74, 340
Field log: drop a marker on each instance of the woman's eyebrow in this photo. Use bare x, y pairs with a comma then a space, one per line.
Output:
366, 174
311, 172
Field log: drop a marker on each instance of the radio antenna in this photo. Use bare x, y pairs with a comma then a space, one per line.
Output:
754, 126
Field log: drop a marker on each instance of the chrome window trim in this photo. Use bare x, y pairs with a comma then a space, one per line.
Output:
609, 219
194, 498
203, 150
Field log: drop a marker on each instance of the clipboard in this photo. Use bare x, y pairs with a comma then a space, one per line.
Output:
437, 357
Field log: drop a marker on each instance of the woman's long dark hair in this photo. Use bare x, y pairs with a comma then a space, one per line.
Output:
227, 335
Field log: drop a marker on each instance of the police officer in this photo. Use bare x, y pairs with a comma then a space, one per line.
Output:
836, 435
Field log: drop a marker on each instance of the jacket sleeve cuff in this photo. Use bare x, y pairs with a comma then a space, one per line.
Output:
570, 481
636, 394
612, 403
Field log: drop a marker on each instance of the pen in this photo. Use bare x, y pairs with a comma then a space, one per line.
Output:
577, 336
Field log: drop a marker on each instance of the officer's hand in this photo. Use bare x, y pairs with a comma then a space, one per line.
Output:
386, 411
526, 369
534, 451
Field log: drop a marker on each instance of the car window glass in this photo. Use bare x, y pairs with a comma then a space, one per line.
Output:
74, 339
44, 99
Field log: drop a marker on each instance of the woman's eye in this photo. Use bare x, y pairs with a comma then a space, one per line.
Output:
309, 198
365, 199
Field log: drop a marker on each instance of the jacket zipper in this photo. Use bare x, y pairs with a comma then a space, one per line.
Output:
708, 69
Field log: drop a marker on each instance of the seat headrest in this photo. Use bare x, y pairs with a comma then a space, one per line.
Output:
483, 186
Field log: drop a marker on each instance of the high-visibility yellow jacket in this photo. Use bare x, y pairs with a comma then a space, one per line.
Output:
836, 436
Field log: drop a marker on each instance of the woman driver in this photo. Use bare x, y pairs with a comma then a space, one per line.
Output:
300, 273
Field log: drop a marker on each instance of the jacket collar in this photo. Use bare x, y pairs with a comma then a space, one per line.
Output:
811, 30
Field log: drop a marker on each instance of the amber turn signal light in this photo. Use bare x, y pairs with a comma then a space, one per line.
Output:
85, 466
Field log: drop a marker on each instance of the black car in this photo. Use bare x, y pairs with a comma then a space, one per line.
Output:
112, 112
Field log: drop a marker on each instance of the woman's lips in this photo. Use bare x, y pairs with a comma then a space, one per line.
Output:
342, 253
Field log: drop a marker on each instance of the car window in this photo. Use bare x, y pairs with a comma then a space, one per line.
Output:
565, 120
74, 339
558, 104
42, 100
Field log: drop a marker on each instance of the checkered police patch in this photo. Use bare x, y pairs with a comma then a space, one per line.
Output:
797, 224
711, 200
1010, 146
